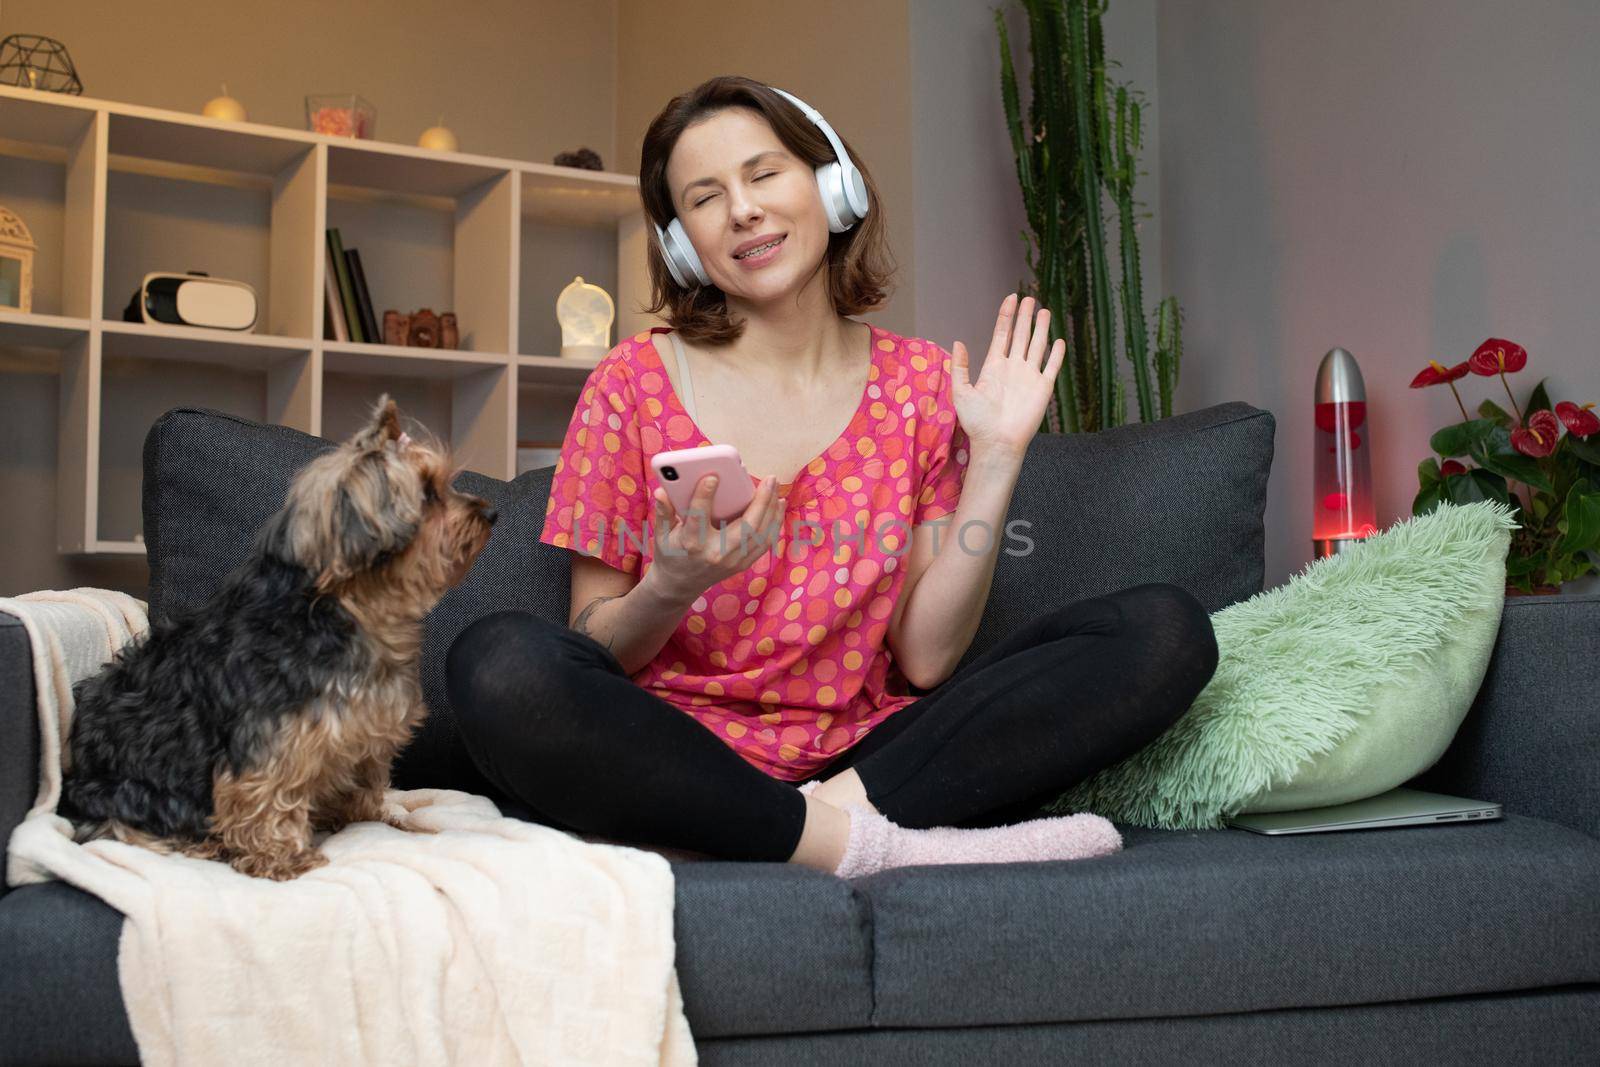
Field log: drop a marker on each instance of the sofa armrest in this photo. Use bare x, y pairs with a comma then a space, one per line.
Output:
1532, 739
19, 728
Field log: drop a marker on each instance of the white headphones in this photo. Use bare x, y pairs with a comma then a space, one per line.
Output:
844, 198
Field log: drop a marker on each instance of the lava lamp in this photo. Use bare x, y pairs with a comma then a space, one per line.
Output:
1341, 478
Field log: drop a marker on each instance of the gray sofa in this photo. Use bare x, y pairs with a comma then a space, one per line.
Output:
1468, 943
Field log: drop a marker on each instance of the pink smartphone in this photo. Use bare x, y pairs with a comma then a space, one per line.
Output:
681, 469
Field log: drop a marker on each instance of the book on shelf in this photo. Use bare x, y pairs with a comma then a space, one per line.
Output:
358, 277
347, 293
333, 326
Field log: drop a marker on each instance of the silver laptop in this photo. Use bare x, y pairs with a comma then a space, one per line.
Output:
1397, 807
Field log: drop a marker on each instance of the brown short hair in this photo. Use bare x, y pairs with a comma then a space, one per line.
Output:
858, 262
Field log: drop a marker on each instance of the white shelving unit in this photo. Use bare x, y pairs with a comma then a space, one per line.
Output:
282, 189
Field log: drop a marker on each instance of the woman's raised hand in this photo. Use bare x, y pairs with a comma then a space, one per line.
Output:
693, 553
1002, 410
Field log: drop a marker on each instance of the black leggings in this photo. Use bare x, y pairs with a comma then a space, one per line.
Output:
553, 720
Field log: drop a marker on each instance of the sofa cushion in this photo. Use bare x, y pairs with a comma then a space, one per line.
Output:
1532, 738
1178, 500
1424, 600
1341, 684
1203, 922
1180, 923
59, 984
770, 948
210, 481
762, 948
19, 730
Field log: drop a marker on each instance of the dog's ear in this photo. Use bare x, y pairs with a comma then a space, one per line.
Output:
370, 522
382, 429
345, 513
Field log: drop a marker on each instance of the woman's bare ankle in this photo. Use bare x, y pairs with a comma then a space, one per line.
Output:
844, 789
824, 837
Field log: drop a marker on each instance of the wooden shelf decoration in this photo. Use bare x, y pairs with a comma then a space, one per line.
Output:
287, 187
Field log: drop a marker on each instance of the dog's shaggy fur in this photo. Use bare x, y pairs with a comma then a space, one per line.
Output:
235, 731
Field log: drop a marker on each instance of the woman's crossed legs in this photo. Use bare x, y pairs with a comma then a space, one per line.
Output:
552, 720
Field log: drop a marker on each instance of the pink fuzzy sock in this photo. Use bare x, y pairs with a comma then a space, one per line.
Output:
877, 844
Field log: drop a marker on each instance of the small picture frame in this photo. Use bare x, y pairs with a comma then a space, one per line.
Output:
16, 262
532, 455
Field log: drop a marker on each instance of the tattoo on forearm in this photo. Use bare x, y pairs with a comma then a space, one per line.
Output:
581, 623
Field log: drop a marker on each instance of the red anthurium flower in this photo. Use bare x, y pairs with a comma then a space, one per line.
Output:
1539, 436
1436, 373
1581, 422
1449, 467
1496, 355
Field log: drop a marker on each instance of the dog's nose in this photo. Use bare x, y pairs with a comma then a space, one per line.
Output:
490, 514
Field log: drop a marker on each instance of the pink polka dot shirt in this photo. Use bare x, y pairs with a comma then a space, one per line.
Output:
786, 662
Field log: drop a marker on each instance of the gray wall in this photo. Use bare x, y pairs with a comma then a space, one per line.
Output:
969, 216
1402, 178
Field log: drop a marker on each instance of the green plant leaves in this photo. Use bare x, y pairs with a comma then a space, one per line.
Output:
1428, 499
1581, 526
1520, 566
1586, 449
1459, 438
1465, 488
1488, 443
1538, 400
1475, 485
1077, 152
1495, 414
1495, 452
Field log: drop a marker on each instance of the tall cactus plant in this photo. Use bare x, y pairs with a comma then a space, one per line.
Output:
1082, 141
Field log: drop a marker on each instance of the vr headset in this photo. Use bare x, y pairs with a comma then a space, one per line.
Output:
194, 299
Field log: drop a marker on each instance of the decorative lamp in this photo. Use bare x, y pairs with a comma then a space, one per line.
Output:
34, 62
585, 312
1341, 481
16, 262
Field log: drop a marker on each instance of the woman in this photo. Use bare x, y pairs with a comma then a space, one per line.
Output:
707, 669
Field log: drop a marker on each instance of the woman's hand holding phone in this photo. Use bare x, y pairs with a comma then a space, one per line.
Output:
693, 554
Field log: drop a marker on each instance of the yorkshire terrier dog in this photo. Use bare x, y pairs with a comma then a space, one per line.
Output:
237, 730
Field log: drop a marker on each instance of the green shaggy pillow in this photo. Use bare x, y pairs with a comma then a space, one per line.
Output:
1346, 682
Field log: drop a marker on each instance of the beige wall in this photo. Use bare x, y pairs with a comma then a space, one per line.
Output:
522, 79
912, 84
849, 60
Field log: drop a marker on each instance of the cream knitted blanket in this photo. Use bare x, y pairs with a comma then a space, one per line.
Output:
494, 941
